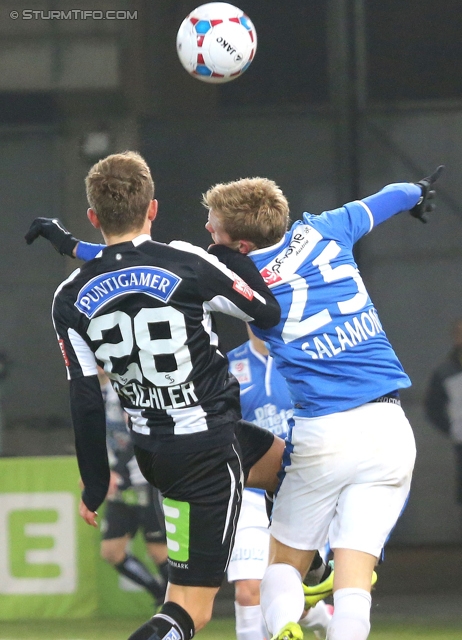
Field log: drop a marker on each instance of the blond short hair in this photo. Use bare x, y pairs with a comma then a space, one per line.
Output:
253, 209
119, 190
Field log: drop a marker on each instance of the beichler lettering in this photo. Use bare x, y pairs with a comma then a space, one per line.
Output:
175, 397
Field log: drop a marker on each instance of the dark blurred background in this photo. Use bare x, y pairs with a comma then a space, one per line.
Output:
343, 97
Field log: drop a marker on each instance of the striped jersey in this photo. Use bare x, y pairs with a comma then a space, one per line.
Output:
142, 311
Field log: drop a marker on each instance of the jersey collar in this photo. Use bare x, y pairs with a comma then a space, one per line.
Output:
140, 239
257, 252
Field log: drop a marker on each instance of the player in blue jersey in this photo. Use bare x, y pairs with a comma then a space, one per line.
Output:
265, 401
350, 455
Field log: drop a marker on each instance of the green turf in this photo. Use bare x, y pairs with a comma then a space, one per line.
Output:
220, 629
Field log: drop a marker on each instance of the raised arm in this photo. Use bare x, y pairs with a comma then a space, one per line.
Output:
417, 198
53, 230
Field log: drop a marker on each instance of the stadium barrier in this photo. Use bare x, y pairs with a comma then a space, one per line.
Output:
49, 557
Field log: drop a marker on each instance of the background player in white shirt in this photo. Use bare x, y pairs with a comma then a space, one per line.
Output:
350, 456
265, 401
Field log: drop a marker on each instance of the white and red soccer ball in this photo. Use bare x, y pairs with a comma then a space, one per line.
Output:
216, 42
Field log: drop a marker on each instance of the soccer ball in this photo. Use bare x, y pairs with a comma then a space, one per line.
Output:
216, 42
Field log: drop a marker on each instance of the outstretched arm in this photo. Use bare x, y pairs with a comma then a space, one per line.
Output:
63, 241
406, 196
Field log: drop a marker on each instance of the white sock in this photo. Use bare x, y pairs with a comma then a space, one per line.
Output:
351, 619
281, 596
250, 624
317, 620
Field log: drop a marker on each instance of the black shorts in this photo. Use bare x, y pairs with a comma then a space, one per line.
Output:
202, 499
254, 442
121, 519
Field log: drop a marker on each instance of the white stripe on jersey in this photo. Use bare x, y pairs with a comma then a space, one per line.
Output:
230, 502
188, 420
198, 251
138, 421
63, 283
369, 213
224, 305
83, 353
191, 248
207, 324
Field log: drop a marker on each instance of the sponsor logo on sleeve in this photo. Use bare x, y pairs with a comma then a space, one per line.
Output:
243, 288
63, 351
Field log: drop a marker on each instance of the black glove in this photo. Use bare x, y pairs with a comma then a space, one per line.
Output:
424, 205
53, 230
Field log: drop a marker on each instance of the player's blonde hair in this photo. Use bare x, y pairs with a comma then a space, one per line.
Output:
119, 190
253, 209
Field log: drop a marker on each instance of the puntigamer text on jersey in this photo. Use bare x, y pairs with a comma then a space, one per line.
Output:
155, 282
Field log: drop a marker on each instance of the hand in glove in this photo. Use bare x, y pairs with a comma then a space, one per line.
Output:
424, 204
53, 230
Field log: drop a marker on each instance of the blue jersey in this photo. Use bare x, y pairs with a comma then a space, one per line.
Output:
330, 345
265, 399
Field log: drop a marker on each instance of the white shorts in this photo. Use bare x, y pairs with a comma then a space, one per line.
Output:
250, 552
348, 479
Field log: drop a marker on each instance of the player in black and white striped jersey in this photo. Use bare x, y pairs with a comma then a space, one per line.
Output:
142, 310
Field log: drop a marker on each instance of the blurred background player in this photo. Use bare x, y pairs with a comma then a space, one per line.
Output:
265, 401
131, 504
443, 400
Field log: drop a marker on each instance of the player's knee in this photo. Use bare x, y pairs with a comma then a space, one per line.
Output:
158, 553
247, 592
111, 555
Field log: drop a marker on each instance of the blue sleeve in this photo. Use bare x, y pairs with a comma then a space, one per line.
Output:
88, 250
391, 200
352, 221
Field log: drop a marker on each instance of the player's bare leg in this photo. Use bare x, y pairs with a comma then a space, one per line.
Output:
158, 552
115, 552
352, 599
249, 618
197, 601
263, 474
353, 569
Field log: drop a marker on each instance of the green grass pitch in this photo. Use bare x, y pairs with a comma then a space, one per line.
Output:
220, 629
